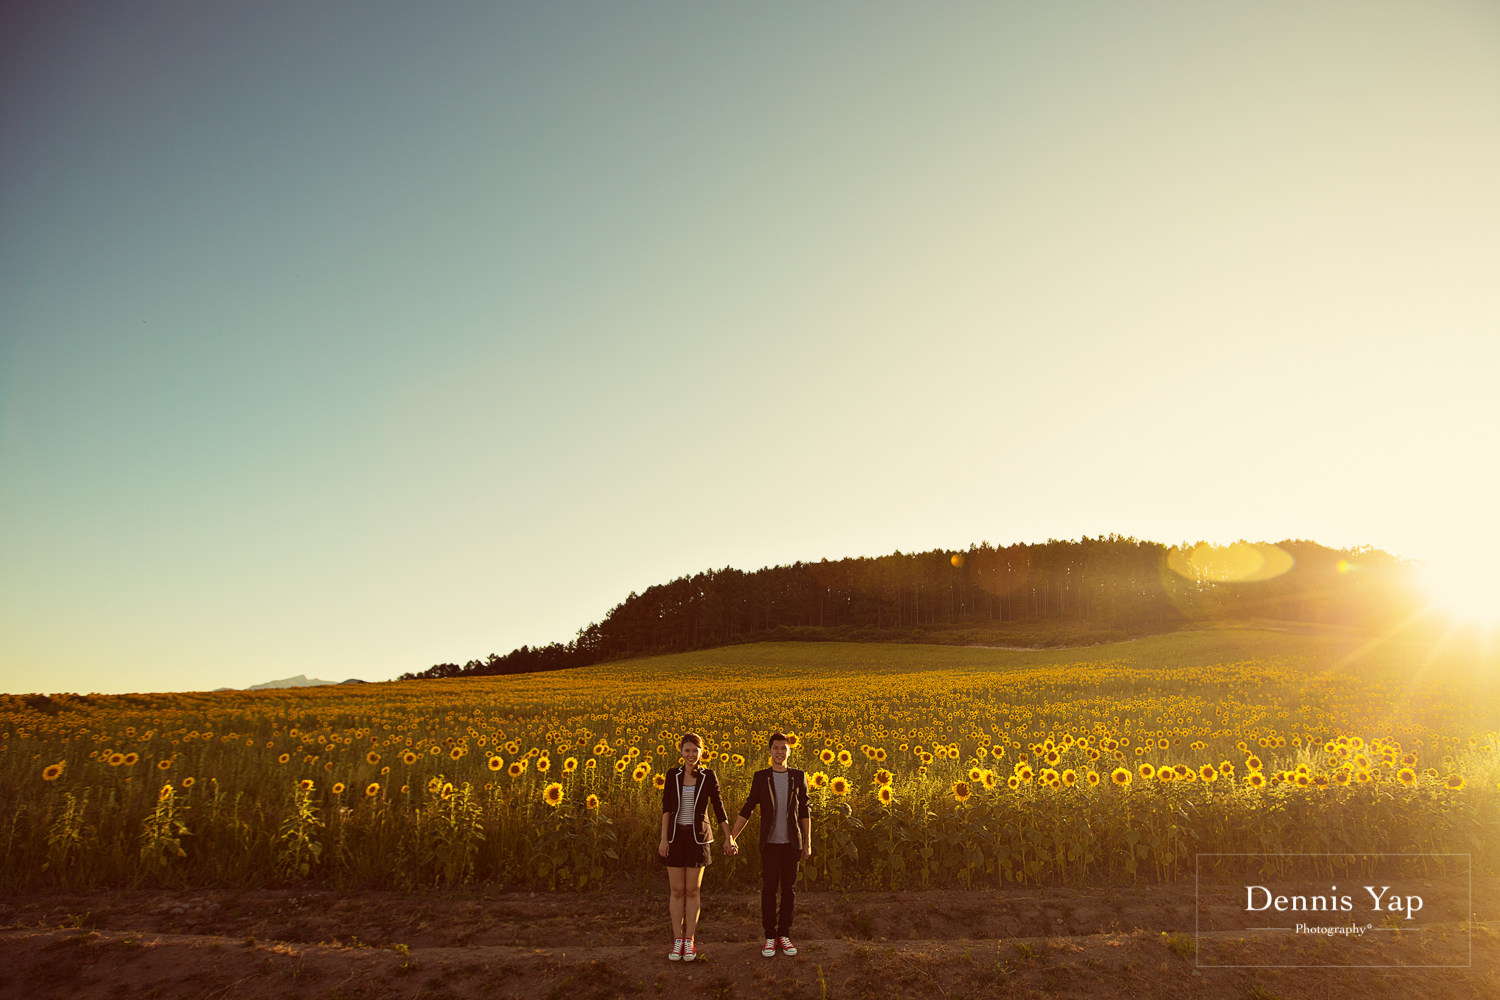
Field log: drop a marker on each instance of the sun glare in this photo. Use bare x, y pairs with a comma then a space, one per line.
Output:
1469, 590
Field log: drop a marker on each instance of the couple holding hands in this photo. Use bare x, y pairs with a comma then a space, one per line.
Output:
785, 840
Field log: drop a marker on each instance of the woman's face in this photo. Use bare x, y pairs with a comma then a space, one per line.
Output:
690, 752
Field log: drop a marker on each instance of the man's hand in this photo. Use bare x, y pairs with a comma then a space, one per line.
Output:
806, 851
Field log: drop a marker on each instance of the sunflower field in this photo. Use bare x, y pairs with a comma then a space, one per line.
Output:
930, 766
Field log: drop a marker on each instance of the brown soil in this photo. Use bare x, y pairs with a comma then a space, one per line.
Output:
1098, 943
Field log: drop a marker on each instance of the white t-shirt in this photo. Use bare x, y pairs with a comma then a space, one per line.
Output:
781, 791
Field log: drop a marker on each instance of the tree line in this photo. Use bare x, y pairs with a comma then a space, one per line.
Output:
1110, 584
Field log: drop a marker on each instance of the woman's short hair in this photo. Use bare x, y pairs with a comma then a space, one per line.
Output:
775, 737
692, 738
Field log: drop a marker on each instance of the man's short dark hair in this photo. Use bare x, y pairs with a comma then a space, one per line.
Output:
775, 737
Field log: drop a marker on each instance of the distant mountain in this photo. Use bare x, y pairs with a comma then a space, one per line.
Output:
300, 681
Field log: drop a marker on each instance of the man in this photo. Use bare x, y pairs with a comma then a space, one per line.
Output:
785, 840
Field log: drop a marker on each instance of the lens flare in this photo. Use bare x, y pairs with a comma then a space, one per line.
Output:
1240, 562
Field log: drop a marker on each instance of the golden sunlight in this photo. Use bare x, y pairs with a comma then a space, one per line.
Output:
1467, 588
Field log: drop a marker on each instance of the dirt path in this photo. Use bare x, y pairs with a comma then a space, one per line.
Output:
1100, 944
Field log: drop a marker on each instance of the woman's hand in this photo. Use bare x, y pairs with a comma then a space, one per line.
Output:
731, 847
662, 847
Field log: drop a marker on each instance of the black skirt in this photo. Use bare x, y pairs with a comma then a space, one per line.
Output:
685, 852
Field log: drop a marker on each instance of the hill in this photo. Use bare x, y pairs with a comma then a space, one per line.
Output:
1057, 593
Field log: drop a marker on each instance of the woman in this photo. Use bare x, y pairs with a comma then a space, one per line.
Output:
685, 836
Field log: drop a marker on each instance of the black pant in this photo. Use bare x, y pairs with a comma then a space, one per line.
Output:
778, 867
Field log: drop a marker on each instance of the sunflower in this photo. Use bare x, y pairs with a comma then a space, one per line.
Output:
1070, 777
116, 759
659, 781
434, 785
1147, 772
1208, 773
52, 772
975, 775
883, 777
826, 756
1093, 779
1013, 782
338, 786
818, 779
306, 784
1120, 776
641, 770
737, 760
1165, 773
621, 765
283, 758
1406, 776
570, 764
879, 755
1163, 743
884, 795
590, 764
1341, 776
989, 779
845, 758
1024, 773
1303, 780
1052, 756
1253, 762
592, 802
961, 791
189, 781
409, 758
1454, 782
446, 792
130, 759
1256, 780
496, 763
1410, 760
543, 764
839, 785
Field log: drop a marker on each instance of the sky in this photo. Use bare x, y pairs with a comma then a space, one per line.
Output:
345, 339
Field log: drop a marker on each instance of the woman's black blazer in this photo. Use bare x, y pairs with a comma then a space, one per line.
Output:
708, 791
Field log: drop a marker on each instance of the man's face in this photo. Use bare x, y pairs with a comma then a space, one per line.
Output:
779, 751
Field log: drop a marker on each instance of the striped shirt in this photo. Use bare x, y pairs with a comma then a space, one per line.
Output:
685, 805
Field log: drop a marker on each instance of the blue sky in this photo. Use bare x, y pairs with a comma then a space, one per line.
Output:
347, 339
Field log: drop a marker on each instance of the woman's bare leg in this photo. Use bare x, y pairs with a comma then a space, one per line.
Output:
678, 878
693, 879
